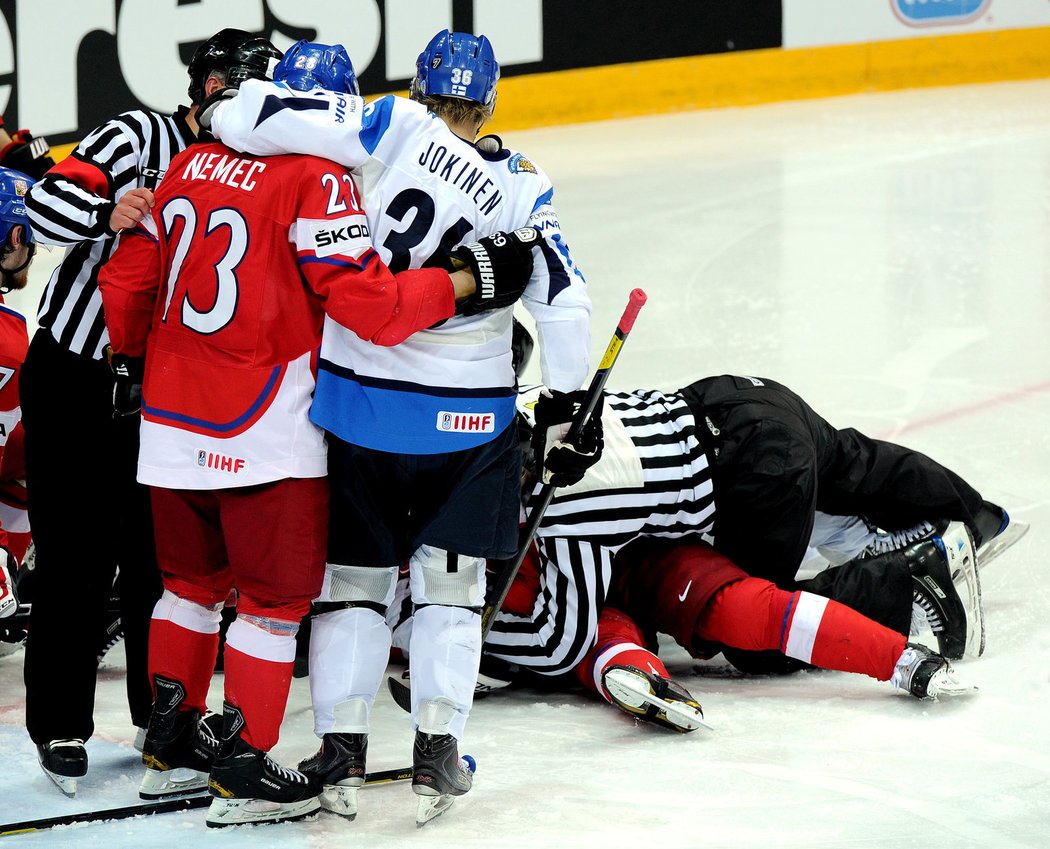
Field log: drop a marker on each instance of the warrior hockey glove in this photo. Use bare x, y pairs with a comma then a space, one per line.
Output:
127, 385
501, 264
27, 154
565, 463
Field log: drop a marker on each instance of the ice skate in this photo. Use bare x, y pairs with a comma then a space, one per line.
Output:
438, 773
180, 747
250, 787
653, 698
926, 675
64, 761
339, 766
946, 587
997, 532
887, 541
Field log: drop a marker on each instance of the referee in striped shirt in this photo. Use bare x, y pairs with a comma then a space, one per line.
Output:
759, 453
87, 511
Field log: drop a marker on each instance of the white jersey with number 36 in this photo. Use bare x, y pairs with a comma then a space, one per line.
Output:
425, 191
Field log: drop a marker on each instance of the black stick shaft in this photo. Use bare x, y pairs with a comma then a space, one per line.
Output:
541, 501
163, 806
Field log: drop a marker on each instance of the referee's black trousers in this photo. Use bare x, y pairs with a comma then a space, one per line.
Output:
88, 515
776, 461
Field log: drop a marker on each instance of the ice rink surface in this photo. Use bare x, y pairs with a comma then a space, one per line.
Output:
888, 257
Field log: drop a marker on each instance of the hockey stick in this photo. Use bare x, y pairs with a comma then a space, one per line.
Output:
541, 500
186, 803
401, 693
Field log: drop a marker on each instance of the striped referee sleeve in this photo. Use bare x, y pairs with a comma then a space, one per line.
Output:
659, 485
71, 207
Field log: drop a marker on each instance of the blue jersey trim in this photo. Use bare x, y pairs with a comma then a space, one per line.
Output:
543, 199
272, 104
340, 263
389, 383
217, 427
402, 422
375, 122
15, 313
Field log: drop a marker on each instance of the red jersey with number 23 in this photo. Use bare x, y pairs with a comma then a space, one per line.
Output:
228, 281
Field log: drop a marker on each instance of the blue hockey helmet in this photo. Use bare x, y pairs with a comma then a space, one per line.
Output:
308, 65
457, 64
14, 185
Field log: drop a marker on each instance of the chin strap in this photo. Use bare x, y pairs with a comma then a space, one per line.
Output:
7, 275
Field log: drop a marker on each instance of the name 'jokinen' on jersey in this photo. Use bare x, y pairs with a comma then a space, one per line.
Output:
424, 191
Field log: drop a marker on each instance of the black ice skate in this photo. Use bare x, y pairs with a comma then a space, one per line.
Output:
946, 587
926, 675
653, 698
339, 766
438, 774
887, 541
180, 747
994, 532
64, 761
250, 787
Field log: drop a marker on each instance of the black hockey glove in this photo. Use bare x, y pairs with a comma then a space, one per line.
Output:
206, 111
501, 264
127, 386
27, 154
8, 574
565, 463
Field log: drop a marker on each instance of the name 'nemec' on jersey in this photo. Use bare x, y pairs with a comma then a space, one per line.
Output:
462, 174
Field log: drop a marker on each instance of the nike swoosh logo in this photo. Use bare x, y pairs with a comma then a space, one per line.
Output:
685, 592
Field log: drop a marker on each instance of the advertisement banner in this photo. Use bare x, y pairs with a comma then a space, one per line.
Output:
68, 65
817, 23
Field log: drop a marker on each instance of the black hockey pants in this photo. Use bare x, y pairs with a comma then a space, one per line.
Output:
776, 461
87, 514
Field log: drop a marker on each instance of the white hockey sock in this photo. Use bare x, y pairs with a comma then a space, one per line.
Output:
349, 652
444, 657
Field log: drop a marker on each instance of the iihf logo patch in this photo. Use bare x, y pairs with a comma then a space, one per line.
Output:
202, 458
452, 422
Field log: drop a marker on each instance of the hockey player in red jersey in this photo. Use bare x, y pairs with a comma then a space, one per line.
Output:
16, 253
699, 597
229, 280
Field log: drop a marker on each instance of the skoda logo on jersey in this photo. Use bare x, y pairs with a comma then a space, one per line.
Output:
918, 13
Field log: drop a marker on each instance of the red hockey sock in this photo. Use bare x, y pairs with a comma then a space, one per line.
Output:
183, 643
258, 667
755, 615
620, 642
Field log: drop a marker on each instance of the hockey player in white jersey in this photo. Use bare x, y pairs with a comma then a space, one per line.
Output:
422, 445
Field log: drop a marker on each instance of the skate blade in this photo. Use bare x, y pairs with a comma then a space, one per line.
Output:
997, 545
947, 685
226, 812
966, 576
430, 807
172, 783
635, 694
67, 784
340, 800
